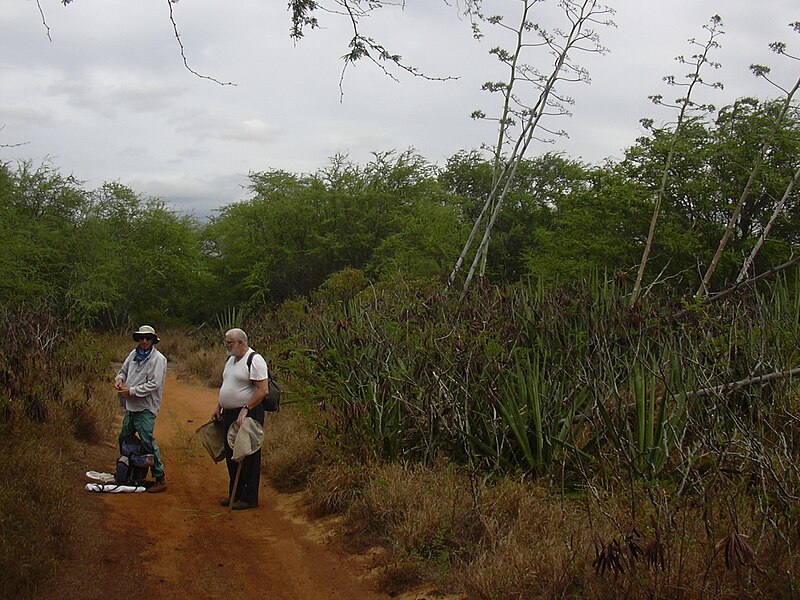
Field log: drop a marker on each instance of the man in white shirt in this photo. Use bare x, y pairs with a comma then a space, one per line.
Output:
244, 387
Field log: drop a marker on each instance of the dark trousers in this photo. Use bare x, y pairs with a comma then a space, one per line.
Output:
247, 490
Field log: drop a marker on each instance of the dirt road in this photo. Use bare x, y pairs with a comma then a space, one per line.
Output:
190, 547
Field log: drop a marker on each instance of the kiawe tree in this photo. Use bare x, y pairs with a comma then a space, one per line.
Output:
530, 94
389, 216
783, 113
688, 110
766, 144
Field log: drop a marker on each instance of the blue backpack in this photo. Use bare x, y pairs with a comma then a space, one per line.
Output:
133, 463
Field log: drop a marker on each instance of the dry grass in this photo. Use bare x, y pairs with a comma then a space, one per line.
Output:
538, 546
117, 346
37, 508
508, 539
423, 517
429, 511
292, 450
205, 365
90, 408
335, 486
68, 381
201, 357
533, 546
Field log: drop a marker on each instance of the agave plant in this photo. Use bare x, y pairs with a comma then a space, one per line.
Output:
534, 416
230, 318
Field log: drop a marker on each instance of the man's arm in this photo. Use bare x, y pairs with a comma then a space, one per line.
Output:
262, 389
122, 374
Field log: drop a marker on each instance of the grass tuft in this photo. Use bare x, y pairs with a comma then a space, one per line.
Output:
35, 511
291, 450
334, 487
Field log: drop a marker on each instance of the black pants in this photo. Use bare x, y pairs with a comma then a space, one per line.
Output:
247, 490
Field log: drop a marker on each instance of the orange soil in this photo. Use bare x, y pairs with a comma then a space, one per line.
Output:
190, 547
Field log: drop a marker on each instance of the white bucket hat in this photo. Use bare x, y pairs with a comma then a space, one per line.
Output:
245, 440
145, 330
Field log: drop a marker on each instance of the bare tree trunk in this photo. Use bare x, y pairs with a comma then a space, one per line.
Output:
775, 214
723, 243
579, 14
498, 167
472, 234
654, 219
686, 104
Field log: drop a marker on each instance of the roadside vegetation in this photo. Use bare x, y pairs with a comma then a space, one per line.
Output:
551, 441
538, 434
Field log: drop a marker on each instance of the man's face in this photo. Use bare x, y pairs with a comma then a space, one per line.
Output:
234, 347
145, 342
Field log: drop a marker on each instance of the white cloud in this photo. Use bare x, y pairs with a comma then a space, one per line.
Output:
21, 116
252, 130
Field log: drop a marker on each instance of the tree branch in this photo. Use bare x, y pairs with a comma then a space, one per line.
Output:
183, 53
742, 284
44, 21
775, 214
759, 379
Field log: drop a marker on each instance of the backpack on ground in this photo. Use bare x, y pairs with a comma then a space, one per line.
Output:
133, 463
272, 401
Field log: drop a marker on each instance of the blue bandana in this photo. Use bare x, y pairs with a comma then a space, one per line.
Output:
142, 354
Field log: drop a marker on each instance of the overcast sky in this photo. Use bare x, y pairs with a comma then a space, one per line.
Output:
109, 99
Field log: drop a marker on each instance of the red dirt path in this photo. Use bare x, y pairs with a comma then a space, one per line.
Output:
190, 547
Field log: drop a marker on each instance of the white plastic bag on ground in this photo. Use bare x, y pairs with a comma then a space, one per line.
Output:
111, 488
102, 477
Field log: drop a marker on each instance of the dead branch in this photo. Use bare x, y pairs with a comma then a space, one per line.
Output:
775, 214
183, 53
759, 379
743, 284
12, 145
44, 21
748, 282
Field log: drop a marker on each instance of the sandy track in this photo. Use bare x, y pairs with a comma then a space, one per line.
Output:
190, 547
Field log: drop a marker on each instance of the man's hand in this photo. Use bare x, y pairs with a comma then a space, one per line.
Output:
242, 416
217, 414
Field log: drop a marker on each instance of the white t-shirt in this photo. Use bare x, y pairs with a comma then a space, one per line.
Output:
237, 381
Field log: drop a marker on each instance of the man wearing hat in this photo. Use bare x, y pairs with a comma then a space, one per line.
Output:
140, 384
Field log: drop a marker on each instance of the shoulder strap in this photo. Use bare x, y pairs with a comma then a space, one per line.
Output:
250, 360
250, 363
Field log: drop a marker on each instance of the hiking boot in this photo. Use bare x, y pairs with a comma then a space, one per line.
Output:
158, 486
242, 505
